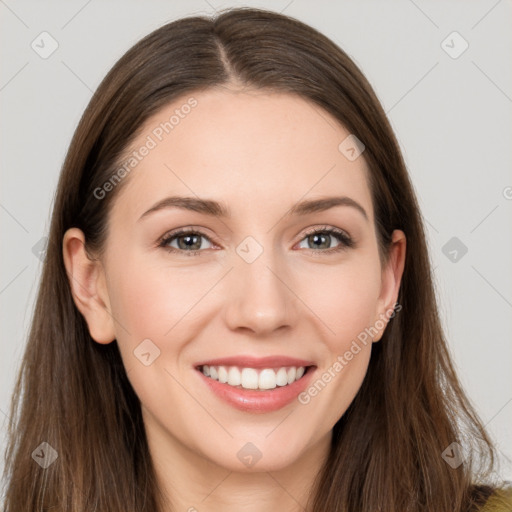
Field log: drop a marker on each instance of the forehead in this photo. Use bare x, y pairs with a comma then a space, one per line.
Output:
248, 149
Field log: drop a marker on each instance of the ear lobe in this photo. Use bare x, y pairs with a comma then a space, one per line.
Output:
391, 279
88, 288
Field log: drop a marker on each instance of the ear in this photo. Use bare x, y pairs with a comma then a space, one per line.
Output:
88, 287
390, 282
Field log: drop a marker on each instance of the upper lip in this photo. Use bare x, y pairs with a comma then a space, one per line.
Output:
256, 362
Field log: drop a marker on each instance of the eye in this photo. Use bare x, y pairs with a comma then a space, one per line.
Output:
188, 241
322, 236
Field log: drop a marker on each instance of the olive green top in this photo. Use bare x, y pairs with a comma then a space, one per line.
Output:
499, 501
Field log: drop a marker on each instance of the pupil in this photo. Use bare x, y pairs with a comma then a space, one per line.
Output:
189, 241
318, 237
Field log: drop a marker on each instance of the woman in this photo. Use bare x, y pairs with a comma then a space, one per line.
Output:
236, 309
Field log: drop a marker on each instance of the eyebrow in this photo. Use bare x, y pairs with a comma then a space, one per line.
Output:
216, 209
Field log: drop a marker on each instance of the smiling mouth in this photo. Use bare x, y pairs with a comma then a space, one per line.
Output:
262, 379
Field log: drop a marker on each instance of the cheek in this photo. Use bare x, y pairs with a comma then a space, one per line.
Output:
345, 299
149, 299
154, 302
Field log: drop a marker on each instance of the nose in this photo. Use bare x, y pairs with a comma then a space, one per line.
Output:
260, 296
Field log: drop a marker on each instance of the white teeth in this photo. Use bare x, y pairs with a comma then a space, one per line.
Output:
267, 379
250, 378
223, 374
281, 377
234, 377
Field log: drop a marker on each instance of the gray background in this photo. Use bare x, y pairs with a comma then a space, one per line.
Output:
451, 116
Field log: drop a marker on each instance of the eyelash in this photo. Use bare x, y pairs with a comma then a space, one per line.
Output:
346, 242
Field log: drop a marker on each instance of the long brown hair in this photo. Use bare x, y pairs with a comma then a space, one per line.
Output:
73, 393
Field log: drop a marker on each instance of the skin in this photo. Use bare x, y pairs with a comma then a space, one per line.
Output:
259, 153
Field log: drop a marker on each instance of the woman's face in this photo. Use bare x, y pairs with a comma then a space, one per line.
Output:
251, 284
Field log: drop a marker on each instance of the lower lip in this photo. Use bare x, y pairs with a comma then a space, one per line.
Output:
249, 400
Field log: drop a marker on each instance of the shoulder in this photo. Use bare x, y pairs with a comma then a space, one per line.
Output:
500, 500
